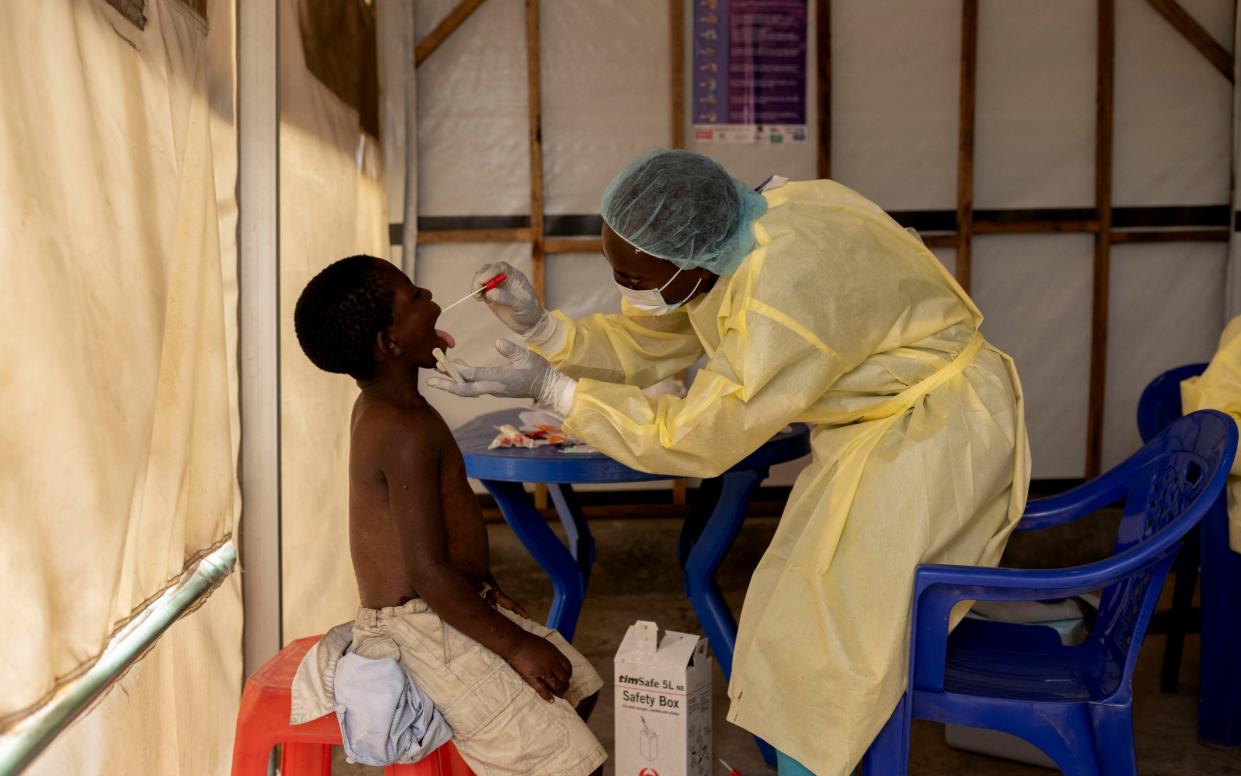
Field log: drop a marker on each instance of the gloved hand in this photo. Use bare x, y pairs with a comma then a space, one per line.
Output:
527, 376
514, 302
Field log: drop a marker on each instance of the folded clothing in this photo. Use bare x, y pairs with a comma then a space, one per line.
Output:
384, 717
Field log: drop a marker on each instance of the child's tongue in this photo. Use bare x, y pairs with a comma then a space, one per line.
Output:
445, 339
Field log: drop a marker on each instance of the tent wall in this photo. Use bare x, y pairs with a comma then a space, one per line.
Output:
173, 712
332, 204
118, 238
894, 119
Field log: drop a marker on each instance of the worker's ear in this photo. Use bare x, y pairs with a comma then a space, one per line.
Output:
387, 345
706, 280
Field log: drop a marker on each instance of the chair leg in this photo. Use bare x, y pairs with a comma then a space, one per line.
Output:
1219, 701
888, 754
1179, 621
250, 757
1063, 732
306, 759
1113, 740
1076, 757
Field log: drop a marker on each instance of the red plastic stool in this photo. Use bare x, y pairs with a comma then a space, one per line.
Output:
263, 722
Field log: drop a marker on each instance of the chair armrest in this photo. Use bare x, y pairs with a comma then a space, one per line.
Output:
1066, 507
937, 589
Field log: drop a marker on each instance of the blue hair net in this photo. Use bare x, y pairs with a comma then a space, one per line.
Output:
683, 207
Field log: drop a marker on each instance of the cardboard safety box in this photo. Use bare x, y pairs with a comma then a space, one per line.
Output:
663, 703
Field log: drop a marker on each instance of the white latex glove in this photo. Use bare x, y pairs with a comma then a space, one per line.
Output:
526, 376
515, 303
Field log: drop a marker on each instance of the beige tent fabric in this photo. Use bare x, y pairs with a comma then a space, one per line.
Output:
175, 710
332, 204
221, 76
120, 402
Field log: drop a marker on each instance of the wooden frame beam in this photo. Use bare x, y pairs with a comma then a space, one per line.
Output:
676, 48
534, 86
1196, 34
676, 67
1124, 236
1170, 235
965, 142
1104, 105
440, 236
534, 93
455, 18
945, 240
1034, 227
573, 245
823, 74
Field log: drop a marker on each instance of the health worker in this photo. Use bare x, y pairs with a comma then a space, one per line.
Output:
810, 305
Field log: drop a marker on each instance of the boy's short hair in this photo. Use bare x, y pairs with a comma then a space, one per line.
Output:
339, 313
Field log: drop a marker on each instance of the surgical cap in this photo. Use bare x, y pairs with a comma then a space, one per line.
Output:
683, 207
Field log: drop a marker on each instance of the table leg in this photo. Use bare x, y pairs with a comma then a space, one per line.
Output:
1219, 699
705, 499
708, 552
705, 555
576, 530
568, 581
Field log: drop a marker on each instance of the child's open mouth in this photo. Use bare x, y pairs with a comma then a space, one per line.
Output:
445, 339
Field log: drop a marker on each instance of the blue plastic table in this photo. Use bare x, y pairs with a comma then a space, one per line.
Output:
704, 543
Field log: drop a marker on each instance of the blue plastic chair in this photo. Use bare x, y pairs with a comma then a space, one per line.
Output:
1158, 407
1160, 403
1072, 702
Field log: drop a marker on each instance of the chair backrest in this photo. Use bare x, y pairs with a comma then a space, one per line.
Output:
1160, 403
1171, 483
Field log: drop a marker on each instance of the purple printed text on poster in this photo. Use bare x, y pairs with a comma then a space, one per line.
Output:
749, 72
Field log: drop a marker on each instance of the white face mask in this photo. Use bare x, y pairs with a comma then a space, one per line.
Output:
652, 300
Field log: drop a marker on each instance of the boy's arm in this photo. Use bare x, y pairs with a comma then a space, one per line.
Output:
501, 598
411, 469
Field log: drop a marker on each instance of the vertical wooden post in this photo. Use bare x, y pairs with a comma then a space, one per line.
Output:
823, 64
965, 141
676, 69
676, 62
534, 88
1104, 102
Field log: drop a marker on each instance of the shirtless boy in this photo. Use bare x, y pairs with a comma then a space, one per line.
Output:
506, 685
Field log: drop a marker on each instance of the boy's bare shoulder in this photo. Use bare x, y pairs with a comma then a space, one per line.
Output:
396, 428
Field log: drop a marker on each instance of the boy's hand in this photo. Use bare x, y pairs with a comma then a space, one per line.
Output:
499, 598
537, 661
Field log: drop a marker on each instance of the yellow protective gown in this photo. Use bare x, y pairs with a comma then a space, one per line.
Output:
841, 319
1219, 388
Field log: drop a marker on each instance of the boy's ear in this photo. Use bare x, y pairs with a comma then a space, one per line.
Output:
388, 345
